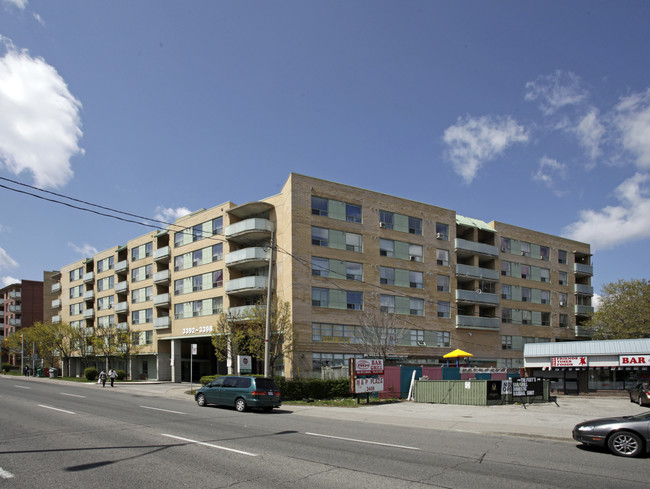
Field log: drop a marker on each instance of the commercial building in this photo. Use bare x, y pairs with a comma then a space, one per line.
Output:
338, 253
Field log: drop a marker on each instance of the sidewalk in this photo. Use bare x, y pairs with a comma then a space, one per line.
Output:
540, 420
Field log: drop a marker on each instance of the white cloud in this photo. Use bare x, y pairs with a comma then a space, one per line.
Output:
169, 215
613, 225
7, 280
590, 132
40, 125
473, 141
21, 4
555, 91
633, 121
549, 171
6, 261
85, 250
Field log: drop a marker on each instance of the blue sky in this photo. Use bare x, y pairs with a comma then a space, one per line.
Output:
532, 113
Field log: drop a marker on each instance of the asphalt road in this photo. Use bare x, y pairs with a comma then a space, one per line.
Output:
70, 435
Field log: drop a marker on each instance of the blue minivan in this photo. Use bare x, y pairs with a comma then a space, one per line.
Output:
241, 393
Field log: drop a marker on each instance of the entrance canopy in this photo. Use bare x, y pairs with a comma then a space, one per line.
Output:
456, 354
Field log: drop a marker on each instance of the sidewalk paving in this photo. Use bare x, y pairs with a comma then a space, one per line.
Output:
541, 420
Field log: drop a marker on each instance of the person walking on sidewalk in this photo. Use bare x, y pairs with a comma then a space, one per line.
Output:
113, 375
102, 378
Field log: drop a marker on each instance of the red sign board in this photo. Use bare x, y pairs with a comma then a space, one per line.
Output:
372, 366
569, 362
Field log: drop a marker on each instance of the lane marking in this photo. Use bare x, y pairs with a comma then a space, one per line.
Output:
21, 387
210, 445
363, 441
4, 474
55, 409
71, 395
164, 410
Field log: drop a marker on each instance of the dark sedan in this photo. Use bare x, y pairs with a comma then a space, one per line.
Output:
626, 436
640, 393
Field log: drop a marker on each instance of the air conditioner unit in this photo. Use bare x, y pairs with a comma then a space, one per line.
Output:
412, 257
421, 343
562, 304
382, 224
440, 236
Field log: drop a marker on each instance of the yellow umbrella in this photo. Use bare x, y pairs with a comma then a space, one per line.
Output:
456, 354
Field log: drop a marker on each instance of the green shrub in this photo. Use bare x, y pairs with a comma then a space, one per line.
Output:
6, 367
91, 373
121, 374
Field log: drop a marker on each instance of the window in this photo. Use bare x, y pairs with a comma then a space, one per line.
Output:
443, 283
197, 258
386, 247
217, 278
545, 296
505, 268
416, 280
76, 274
416, 307
142, 316
442, 231
443, 339
319, 236
546, 319
417, 337
561, 257
206, 307
352, 213
353, 242
106, 321
442, 257
355, 301
506, 292
142, 251
564, 320
76, 291
141, 295
525, 294
544, 252
318, 206
505, 245
319, 267
525, 271
562, 278
141, 273
105, 283
443, 309
401, 305
506, 342
319, 297
506, 315
335, 209
387, 276
386, 219
415, 252
217, 225
563, 300
217, 252
353, 271
105, 264
524, 248
415, 225
387, 303
526, 317
105, 302
544, 275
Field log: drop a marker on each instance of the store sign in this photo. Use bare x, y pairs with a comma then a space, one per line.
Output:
569, 362
244, 364
625, 360
368, 384
373, 366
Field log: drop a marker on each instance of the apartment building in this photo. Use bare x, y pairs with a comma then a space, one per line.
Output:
339, 253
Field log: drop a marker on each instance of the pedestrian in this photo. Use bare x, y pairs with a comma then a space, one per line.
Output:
102, 378
113, 375
26, 371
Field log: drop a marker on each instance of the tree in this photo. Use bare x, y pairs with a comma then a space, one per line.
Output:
624, 311
378, 334
226, 338
128, 347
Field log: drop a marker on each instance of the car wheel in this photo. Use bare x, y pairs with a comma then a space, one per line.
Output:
640, 400
625, 444
200, 400
240, 404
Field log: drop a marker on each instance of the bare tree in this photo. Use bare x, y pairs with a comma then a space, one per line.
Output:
281, 341
378, 334
227, 337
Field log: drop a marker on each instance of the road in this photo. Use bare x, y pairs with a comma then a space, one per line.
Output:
83, 436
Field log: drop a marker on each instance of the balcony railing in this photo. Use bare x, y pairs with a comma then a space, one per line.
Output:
162, 254
476, 272
240, 313
248, 258
584, 289
56, 304
161, 277
254, 229
121, 307
16, 308
122, 266
584, 310
89, 295
15, 295
583, 332
56, 319
89, 313
246, 285
122, 287
477, 322
15, 322
56, 287
89, 277
124, 326
476, 297
474, 247
162, 323
161, 300
581, 269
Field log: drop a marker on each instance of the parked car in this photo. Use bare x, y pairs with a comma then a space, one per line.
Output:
241, 393
640, 393
626, 436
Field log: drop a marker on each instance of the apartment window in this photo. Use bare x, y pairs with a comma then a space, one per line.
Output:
387, 303
544, 275
105, 302
443, 309
387, 276
505, 268
141, 273
105, 264
443, 339
386, 219
415, 225
442, 231
318, 206
505, 245
564, 320
141, 295
563, 300
442, 283
319, 236
319, 267
76, 274
417, 337
217, 225
526, 317
506, 342
546, 319
217, 252
319, 297
544, 252
416, 280
506, 292
105, 283
415, 252
561, 257
506, 315
76, 291
142, 251
217, 278
106, 321
525, 271
524, 248
206, 307
525, 294
353, 271
352, 213
545, 296
142, 316
442, 258
353, 242
355, 300
386, 247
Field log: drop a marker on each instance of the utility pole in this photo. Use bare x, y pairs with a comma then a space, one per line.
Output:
267, 332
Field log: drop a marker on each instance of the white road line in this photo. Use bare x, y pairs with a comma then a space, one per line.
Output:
22, 387
55, 409
4, 474
363, 441
210, 445
71, 395
164, 410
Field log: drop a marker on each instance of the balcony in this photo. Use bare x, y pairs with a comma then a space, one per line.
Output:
255, 229
56, 288
584, 310
89, 313
161, 277
15, 322
89, 277
246, 286
122, 287
123, 326
89, 295
581, 331
121, 307
240, 313
162, 254
583, 289
476, 273
122, 266
466, 247
56, 319
16, 308
15, 295
477, 322
162, 323
248, 258
56, 304
476, 297
580, 269
161, 300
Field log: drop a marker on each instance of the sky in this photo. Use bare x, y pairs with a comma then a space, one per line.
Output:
535, 113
